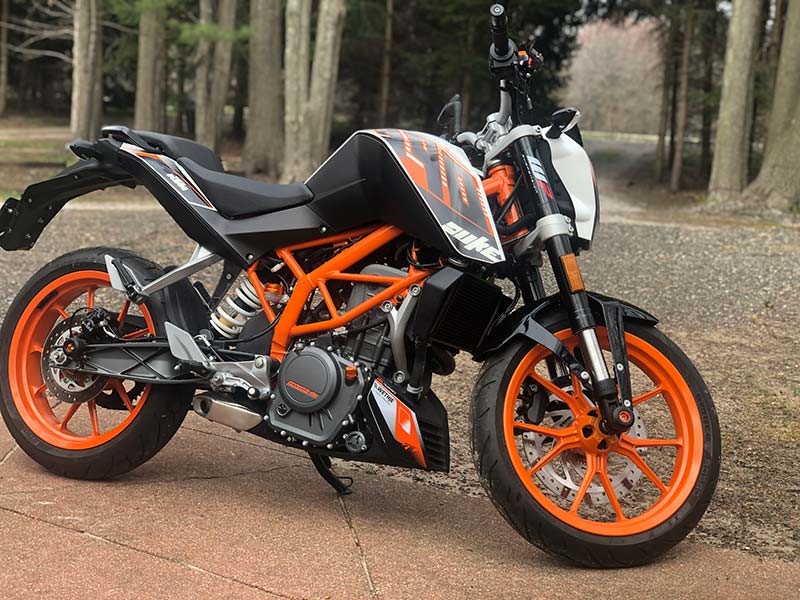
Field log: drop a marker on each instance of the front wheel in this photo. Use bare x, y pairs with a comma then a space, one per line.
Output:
600, 500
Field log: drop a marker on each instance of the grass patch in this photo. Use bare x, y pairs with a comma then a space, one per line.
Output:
33, 151
5, 194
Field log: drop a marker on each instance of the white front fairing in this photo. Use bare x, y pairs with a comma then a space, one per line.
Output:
575, 170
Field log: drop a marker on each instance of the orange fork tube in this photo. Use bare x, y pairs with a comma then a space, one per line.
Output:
287, 327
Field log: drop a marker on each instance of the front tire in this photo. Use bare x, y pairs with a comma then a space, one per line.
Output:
120, 427
575, 492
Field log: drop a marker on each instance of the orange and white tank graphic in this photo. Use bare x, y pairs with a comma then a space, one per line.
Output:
450, 187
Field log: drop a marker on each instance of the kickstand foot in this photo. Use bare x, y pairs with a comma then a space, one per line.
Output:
323, 465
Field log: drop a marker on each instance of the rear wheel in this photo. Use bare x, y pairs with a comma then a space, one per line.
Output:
601, 500
75, 425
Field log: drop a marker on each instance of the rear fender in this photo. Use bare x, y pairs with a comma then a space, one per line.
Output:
23, 220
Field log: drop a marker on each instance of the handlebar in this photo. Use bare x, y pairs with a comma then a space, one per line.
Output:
501, 48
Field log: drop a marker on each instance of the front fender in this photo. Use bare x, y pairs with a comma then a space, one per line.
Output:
533, 323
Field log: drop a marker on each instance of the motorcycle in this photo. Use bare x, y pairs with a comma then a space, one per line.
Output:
339, 298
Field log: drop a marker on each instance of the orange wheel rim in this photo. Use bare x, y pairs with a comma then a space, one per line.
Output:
582, 438
25, 378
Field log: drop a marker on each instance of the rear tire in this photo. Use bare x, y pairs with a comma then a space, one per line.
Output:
555, 529
143, 433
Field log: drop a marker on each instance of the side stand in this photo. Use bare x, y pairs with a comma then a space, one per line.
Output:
342, 485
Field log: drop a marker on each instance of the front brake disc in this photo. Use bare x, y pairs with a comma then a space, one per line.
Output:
564, 474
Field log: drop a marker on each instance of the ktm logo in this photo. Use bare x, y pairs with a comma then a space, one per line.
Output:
302, 389
178, 182
483, 245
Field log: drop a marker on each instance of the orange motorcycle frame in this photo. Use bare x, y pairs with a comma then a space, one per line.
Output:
357, 245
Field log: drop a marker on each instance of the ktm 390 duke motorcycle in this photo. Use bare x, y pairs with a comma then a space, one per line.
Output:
339, 299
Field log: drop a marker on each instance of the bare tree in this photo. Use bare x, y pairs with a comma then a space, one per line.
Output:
775, 37
325, 74
3, 57
682, 113
778, 183
264, 142
213, 73
296, 64
87, 85
668, 65
309, 105
203, 60
150, 66
731, 149
709, 42
386, 67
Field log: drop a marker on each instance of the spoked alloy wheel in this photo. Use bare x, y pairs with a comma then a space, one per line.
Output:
601, 457
81, 425
60, 406
598, 498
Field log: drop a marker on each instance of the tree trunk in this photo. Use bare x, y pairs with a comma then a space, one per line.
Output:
96, 117
673, 112
87, 85
775, 39
213, 71
709, 42
666, 100
204, 59
147, 113
731, 148
180, 126
683, 101
296, 59
221, 76
386, 68
3, 57
309, 106
240, 98
264, 141
324, 76
778, 183
466, 82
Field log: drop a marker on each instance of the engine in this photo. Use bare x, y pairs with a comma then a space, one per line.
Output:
316, 393
349, 391
321, 382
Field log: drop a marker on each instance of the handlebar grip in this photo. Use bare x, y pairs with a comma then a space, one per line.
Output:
502, 44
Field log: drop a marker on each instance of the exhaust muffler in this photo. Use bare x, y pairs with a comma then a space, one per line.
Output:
219, 409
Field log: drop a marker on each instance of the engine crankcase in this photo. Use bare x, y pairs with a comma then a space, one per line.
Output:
316, 394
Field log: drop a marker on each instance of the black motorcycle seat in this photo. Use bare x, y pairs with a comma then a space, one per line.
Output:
237, 197
178, 147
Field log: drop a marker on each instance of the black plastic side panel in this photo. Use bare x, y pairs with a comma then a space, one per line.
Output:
362, 183
243, 240
22, 221
548, 311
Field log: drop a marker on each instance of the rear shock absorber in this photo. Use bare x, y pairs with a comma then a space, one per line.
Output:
231, 316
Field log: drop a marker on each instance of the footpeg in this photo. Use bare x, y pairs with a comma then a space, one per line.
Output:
322, 463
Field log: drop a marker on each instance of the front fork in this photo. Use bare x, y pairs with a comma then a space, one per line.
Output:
613, 400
